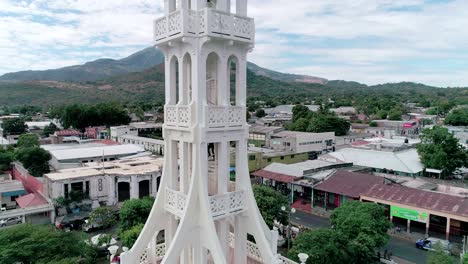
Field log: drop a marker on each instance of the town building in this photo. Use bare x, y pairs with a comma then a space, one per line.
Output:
405, 162
258, 158
135, 129
303, 142
9, 191
154, 146
75, 155
100, 132
107, 183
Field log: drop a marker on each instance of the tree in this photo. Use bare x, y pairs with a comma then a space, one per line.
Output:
395, 114
103, 216
49, 130
458, 117
364, 225
439, 149
6, 158
260, 113
373, 124
28, 140
131, 235
329, 123
323, 246
269, 203
14, 126
135, 212
44, 244
382, 114
438, 256
35, 160
300, 111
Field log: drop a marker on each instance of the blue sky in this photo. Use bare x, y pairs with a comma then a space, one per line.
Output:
370, 41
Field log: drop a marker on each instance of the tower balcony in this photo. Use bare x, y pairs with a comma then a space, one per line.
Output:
217, 117
222, 205
178, 115
225, 116
206, 22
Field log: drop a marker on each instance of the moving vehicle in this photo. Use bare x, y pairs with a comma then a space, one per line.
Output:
11, 221
430, 243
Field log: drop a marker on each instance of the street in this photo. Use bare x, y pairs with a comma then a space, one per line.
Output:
401, 248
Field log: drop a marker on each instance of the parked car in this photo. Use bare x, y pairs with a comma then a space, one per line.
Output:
11, 221
430, 242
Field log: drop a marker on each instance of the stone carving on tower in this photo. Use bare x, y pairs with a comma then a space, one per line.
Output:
201, 214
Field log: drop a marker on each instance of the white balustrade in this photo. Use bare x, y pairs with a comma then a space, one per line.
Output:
175, 202
225, 116
226, 204
177, 115
204, 22
160, 251
221, 205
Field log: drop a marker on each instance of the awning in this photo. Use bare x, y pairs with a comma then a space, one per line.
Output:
275, 176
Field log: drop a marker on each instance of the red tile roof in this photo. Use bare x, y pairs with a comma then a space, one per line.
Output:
418, 198
68, 132
275, 176
348, 183
31, 200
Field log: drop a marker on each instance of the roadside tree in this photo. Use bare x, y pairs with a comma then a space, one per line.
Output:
439, 149
269, 203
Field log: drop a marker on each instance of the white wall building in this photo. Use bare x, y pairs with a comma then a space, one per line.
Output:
75, 155
117, 131
155, 146
107, 183
302, 142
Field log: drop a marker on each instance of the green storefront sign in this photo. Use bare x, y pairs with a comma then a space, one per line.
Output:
409, 214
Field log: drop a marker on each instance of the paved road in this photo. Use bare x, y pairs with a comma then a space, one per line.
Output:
400, 248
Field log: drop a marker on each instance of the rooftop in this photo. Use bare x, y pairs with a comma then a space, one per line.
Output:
144, 125
287, 134
275, 176
351, 184
31, 200
264, 129
403, 161
144, 139
10, 186
97, 151
422, 199
141, 165
68, 132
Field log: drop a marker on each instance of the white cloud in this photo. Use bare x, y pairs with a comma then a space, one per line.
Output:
370, 41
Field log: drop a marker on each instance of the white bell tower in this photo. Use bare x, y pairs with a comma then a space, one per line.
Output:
205, 210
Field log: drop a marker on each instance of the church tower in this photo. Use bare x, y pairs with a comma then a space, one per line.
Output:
205, 208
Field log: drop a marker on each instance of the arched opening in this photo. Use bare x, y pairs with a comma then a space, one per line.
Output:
212, 79
174, 80
144, 189
187, 79
123, 191
233, 73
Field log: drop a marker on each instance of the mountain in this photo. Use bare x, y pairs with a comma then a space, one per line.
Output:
94, 70
105, 68
284, 77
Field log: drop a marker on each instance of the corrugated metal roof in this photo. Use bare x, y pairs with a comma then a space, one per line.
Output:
451, 204
275, 176
351, 184
404, 161
112, 150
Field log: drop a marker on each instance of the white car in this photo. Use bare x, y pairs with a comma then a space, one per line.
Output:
11, 221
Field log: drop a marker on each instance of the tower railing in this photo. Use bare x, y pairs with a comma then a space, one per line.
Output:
221, 205
208, 21
178, 115
225, 116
